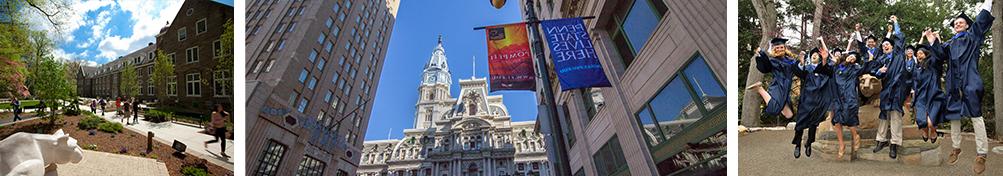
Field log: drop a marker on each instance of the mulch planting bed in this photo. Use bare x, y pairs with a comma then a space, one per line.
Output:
127, 143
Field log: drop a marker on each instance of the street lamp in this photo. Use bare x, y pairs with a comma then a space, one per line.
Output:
497, 3
549, 123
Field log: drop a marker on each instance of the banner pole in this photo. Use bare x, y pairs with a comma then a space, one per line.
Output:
547, 113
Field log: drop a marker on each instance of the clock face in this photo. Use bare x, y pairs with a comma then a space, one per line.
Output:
429, 78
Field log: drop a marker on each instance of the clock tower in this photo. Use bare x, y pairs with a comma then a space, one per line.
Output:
434, 89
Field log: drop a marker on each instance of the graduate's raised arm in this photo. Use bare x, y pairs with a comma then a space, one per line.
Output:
899, 37
762, 61
984, 20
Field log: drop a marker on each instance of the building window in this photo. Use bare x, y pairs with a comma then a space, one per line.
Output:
223, 82
271, 159
428, 114
692, 94
192, 54
280, 28
321, 38
200, 26
569, 131
327, 97
173, 58
292, 98
609, 158
282, 44
334, 104
292, 26
633, 25
312, 84
313, 55
217, 48
269, 67
193, 85
310, 167
301, 107
328, 46
320, 64
182, 34
172, 86
329, 22
303, 74
591, 99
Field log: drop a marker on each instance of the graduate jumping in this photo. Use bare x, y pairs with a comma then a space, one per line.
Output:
963, 84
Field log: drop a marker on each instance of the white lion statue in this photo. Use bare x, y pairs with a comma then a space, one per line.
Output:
31, 154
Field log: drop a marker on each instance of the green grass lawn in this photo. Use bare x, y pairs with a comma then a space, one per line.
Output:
24, 104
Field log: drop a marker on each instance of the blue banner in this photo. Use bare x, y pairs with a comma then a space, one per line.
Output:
574, 57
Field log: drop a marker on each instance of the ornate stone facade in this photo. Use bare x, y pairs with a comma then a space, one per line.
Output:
471, 134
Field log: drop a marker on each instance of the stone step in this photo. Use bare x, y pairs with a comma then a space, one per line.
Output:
908, 132
912, 152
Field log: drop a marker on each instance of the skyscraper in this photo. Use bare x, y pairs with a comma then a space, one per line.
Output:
312, 73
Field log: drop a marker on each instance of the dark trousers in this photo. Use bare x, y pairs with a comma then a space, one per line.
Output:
221, 138
17, 116
135, 117
798, 134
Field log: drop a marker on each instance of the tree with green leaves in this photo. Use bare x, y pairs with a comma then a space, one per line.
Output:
128, 83
224, 60
55, 88
163, 70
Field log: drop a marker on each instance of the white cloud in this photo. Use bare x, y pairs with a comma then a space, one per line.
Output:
60, 54
88, 63
147, 18
98, 29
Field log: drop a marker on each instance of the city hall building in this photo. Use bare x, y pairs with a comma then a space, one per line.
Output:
665, 112
312, 68
470, 134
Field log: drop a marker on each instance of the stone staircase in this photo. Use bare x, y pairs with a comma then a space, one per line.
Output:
914, 151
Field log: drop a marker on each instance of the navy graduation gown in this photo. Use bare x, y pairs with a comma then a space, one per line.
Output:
963, 84
813, 102
894, 88
832, 90
782, 69
929, 98
847, 102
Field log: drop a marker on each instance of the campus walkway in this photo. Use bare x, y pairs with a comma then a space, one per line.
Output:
167, 132
100, 163
770, 153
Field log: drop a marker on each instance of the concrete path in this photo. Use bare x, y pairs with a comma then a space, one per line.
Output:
100, 163
167, 132
771, 153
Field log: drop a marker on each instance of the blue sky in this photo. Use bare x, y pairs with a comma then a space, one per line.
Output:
414, 36
98, 31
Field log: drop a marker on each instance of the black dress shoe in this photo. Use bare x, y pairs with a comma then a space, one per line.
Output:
894, 151
880, 145
797, 151
807, 150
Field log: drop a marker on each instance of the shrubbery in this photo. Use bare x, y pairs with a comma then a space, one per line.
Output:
110, 127
90, 122
157, 116
192, 170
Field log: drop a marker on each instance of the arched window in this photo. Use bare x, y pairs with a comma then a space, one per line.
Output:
472, 108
